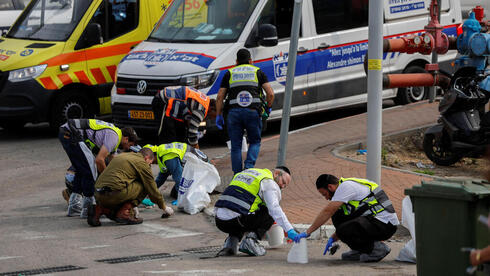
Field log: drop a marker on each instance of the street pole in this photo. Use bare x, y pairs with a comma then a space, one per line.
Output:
375, 90
432, 89
286, 107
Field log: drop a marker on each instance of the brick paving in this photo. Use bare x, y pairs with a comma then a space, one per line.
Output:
309, 154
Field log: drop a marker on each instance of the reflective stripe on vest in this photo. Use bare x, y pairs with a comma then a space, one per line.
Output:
169, 151
177, 101
242, 195
95, 125
243, 75
377, 199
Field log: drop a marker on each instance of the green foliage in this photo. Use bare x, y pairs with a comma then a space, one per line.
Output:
426, 171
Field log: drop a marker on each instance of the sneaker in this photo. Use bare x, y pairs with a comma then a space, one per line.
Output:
352, 255
251, 246
230, 247
74, 205
380, 251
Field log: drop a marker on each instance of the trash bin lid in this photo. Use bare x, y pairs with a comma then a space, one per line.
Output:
461, 189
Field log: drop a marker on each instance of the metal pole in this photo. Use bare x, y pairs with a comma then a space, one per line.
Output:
286, 107
375, 90
432, 89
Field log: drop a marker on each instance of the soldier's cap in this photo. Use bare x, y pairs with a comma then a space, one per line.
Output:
130, 133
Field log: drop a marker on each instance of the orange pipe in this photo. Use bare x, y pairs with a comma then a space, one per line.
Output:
415, 79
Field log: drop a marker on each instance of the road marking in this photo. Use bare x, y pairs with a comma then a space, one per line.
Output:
199, 272
164, 231
95, 246
10, 257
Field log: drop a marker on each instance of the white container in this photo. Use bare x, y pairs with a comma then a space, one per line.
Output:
275, 236
298, 253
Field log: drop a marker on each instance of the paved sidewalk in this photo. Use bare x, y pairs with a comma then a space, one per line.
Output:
310, 154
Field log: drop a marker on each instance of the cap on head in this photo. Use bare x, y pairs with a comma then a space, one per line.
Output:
243, 56
284, 168
323, 180
130, 133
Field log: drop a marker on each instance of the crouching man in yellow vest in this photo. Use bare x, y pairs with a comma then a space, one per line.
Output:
362, 214
251, 204
169, 159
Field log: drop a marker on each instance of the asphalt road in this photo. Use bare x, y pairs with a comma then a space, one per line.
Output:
37, 237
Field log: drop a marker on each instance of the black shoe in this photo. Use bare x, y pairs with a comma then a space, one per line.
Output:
173, 193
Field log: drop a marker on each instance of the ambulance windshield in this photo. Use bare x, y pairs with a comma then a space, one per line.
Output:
52, 20
204, 21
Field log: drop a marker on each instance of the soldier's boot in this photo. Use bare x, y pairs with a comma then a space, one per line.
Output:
95, 212
125, 215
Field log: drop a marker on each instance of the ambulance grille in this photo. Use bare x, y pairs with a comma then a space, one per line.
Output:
152, 85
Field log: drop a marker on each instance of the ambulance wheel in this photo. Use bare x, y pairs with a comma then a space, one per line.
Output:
70, 105
408, 95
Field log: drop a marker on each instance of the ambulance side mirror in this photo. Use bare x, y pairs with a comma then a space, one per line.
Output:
268, 35
90, 37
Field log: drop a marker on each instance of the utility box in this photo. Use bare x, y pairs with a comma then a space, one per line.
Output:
446, 220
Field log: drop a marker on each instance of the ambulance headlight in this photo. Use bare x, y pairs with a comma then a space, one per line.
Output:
27, 73
201, 80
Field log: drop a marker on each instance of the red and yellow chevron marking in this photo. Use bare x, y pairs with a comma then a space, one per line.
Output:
101, 76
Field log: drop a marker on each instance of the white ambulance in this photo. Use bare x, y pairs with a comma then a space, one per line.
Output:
196, 42
9, 11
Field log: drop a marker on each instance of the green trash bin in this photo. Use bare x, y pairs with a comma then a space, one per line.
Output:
446, 220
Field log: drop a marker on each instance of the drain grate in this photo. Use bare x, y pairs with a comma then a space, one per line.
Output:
43, 270
203, 250
136, 258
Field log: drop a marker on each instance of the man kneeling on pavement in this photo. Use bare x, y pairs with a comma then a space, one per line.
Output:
122, 186
251, 204
362, 214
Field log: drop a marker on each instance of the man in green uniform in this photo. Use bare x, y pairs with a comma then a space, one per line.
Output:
122, 186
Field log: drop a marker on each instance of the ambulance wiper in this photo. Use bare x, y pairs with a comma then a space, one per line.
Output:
156, 39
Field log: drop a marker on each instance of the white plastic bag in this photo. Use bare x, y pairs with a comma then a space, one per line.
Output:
408, 254
199, 178
298, 253
244, 144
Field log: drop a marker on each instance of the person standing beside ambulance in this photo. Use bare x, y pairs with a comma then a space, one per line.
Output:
244, 108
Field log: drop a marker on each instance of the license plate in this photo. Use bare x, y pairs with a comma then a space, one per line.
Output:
141, 114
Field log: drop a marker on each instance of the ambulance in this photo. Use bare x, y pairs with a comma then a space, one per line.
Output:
9, 11
59, 59
196, 42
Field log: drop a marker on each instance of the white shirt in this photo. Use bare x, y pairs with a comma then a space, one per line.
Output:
270, 193
351, 190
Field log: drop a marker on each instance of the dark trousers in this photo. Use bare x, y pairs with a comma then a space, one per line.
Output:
259, 222
360, 233
172, 131
83, 182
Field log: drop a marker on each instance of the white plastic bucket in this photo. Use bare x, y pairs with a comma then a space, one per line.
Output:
275, 236
298, 253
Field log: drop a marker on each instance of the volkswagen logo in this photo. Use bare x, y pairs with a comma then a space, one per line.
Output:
141, 87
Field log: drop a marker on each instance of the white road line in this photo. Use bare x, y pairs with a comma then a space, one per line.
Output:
95, 246
199, 272
9, 257
164, 231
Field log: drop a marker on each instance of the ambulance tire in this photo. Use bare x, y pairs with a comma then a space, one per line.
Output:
408, 95
70, 105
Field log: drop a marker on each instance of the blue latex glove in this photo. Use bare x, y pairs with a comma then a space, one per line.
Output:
300, 236
175, 202
329, 244
220, 121
292, 234
147, 202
